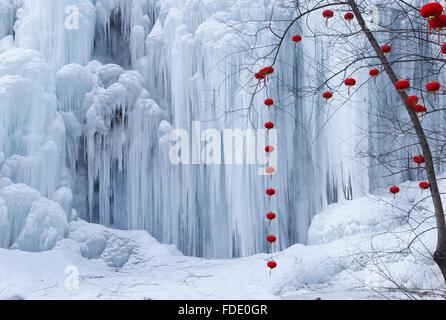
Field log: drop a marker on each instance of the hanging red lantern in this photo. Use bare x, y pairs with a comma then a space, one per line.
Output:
437, 23
259, 76
443, 48
270, 216
374, 72
418, 159
412, 100
349, 16
269, 149
394, 190
271, 238
327, 14
266, 70
269, 102
349, 82
270, 170
433, 86
296, 38
402, 85
418, 108
270, 192
327, 95
431, 10
272, 264
424, 185
386, 48
269, 125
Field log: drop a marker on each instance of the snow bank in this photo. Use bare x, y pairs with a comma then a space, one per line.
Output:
45, 225
113, 264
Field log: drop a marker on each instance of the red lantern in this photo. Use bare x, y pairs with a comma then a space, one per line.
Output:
327, 14
418, 108
272, 264
424, 185
418, 159
270, 170
269, 102
327, 95
386, 48
269, 149
269, 125
270, 192
433, 86
402, 85
270, 216
259, 76
437, 23
296, 38
394, 190
431, 10
443, 48
412, 100
271, 238
266, 71
349, 16
349, 82
374, 72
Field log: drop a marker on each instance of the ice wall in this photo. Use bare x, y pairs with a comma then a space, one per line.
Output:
133, 71
32, 153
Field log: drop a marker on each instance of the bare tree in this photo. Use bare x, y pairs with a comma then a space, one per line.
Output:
426, 139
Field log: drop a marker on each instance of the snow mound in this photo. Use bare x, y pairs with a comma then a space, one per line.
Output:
116, 248
365, 215
45, 225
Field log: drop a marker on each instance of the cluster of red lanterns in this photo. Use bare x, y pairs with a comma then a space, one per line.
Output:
433, 12
264, 73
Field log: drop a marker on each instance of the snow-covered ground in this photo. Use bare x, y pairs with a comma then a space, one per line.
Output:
353, 253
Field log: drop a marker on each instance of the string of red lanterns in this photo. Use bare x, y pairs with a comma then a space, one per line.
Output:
270, 170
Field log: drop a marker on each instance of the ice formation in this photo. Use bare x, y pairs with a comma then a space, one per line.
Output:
86, 115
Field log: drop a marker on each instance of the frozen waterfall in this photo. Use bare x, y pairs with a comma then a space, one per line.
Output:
86, 114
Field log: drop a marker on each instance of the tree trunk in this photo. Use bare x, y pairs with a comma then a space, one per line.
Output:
440, 252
